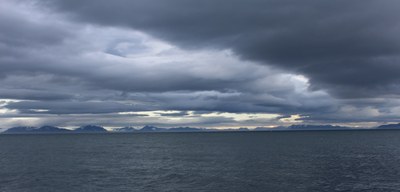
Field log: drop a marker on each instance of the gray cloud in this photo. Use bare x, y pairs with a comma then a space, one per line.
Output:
174, 114
351, 48
33, 95
70, 62
72, 107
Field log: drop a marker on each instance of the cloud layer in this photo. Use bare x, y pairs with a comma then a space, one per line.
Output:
347, 47
201, 63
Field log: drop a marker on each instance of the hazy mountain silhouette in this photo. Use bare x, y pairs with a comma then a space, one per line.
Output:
270, 129
302, 127
185, 129
390, 126
43, 129
150, 128
90, 128
317, 127
125, 129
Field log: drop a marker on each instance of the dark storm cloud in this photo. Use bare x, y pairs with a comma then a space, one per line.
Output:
351, 48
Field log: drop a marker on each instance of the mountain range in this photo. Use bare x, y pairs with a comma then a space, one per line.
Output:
149, 128
390, 126
52, 129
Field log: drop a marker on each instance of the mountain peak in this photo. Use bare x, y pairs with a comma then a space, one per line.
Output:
90, 128
390, 126
43, 129
151, 128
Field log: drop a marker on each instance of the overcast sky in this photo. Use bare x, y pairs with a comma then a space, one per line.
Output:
200, 63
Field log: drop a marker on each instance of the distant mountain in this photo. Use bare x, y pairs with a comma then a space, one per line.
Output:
125, 129
316, 127
302, 127
229, 129
19, 130
51, 129
98, 129
43, 129
90, 129
149, 128
389, 126
185, 129
269, 128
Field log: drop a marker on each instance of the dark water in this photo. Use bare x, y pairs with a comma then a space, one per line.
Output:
250, 161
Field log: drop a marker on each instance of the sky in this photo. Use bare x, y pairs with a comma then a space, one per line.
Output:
208, 63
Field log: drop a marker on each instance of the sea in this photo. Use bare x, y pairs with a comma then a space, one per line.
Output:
216, 162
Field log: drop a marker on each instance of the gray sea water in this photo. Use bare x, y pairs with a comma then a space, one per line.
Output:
237, 161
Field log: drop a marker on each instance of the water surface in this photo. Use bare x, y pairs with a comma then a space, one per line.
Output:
236, 161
